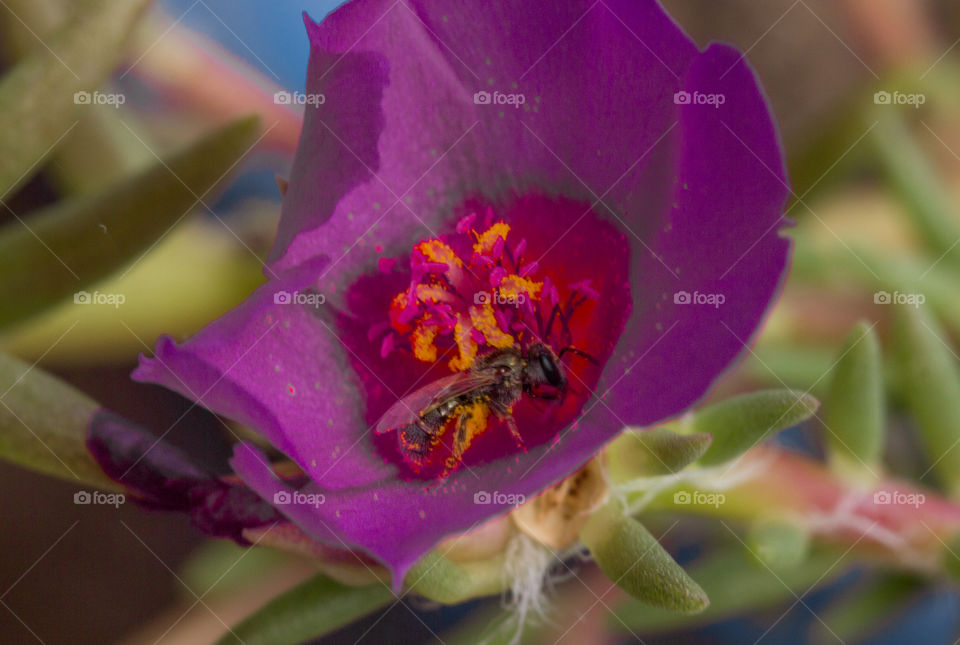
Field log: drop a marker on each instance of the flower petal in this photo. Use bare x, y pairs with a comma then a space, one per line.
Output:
597, 81
697, 190
275, 365
722, 239
163, 477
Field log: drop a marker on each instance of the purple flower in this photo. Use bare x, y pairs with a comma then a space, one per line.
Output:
491, 179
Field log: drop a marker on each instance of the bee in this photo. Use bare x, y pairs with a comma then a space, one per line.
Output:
466, 400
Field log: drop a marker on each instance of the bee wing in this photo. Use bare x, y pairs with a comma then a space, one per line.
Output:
411, 407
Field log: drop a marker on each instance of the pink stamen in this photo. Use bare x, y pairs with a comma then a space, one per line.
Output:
388, 345
465, 224
492, 300
520, 248
497, 275
584, 287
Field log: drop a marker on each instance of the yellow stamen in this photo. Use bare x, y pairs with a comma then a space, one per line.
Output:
433, 293
423, 347
436, 251
397, 306
486, 323
465, 343
513, 286
488, 238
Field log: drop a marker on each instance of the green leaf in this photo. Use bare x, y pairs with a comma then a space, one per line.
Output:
492, 625
658, 451
99, 149
741, 422
308, 611
930, 386
913, 177
866, 609
633, 559
71, 245
854, 412
951, 557
797, 366
223, 566
777, 544
442, 580
164, 295
43, 424
735, 586
37, 105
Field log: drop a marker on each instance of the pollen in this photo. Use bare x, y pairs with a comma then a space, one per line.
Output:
397, 307
485, 322
437, 251
433, 294
472, 291
423, 347
463, 336
487, 239
516, 288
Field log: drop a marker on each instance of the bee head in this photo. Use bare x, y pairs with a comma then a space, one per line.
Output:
543, 367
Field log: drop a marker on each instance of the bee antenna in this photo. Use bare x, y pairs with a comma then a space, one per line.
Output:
578, 352
546, 331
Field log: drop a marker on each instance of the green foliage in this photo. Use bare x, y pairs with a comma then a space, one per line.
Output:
310, 610
777, 544
43, 424
855, 408
915, 181
741, 422
222, 566
633, 559
734, 586
657, 451
37, 96
865, 610
930, 386
69, 246
442, 580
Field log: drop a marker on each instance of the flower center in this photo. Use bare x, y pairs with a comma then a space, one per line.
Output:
474, 291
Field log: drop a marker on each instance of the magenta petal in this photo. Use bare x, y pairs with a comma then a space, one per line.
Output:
598, 81
393, 154
277, 368
722, 237
162, 477
353, 519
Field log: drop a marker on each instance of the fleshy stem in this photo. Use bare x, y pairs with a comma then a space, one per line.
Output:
892, 521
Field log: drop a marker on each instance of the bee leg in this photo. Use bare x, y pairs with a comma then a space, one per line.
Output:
504, 414
461, 440
514, 430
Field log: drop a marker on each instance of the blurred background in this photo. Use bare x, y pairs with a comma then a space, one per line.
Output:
876, 193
